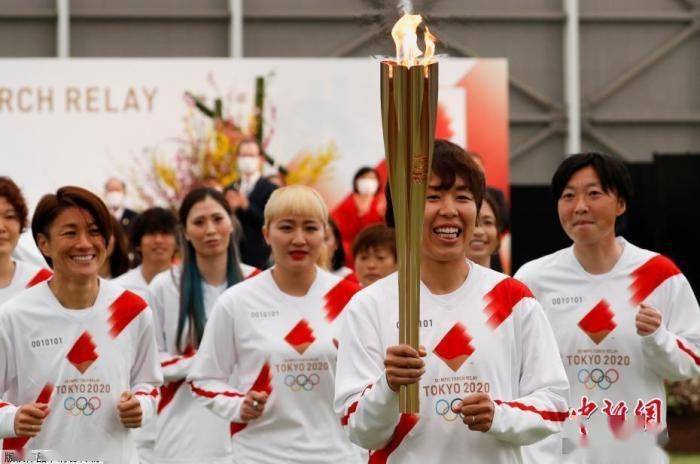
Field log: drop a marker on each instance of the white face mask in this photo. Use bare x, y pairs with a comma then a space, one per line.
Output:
367, 186
114, 199
248, 165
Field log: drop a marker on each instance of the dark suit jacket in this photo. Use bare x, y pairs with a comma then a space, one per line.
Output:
127, 218
254, 250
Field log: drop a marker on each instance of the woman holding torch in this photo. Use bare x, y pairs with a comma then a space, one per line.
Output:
490, 378
278, 333
78, 359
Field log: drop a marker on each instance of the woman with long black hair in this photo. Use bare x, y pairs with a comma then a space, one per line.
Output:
182, 299
278, 333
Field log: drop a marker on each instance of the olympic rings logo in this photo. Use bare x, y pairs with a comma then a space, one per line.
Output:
598, 378
82, 405
445, 409
301, 382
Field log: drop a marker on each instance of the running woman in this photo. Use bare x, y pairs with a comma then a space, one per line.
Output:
153, 240
154, 243
490, 378
182, 299
15, 275
625, 318
78, 359
278, 333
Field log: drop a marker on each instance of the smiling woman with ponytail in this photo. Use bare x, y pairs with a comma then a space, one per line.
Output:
182, 299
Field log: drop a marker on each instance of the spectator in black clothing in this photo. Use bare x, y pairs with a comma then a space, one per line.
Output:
114, 196
248, 197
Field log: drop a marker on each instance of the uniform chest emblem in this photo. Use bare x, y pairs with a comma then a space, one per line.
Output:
301, 336
598, 322
455, 347
83, 353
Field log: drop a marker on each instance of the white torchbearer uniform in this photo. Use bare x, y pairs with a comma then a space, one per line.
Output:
593, 317
133, 280
26, 275
488, 336
286, 346
145, 436
79, 362
187, 432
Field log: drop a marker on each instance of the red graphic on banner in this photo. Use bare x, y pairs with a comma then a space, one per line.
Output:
443, 123
486, 87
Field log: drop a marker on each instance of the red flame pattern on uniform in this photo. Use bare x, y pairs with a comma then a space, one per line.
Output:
648, 277
39, 277
18, 443
124, 310
406, 423
263, 383
338, 296
502, 299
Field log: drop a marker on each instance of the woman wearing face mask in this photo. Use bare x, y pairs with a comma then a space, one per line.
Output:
78, 359
486, 239
278, 333
182, 299
15, 275
363, 208
247, 197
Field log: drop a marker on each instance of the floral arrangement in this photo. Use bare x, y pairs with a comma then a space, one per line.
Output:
206, 152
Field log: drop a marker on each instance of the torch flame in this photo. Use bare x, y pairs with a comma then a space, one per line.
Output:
405, 38
429, 47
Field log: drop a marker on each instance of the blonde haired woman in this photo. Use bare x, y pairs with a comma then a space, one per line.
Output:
278, 332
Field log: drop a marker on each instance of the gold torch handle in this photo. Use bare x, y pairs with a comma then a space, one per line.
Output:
409, 106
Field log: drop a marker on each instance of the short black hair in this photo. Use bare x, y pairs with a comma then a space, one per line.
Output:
612, 172
52, 205
361, 172
152, 221
450, 162
373, 237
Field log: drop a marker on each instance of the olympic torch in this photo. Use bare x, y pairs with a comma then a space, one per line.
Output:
409, 88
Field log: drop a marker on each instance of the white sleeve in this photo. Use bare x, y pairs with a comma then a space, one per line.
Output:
145, 370
8, 374
369, 409
673, 350
213, 365
525, 275
542, 406
173, 366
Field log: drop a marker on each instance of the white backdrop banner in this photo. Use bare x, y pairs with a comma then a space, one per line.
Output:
80, 121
